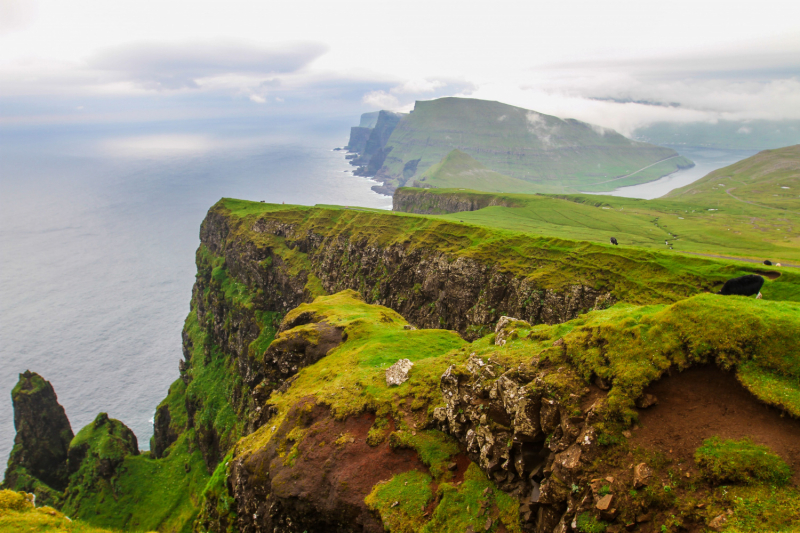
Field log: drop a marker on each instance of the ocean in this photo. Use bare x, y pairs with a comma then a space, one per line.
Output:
98, 230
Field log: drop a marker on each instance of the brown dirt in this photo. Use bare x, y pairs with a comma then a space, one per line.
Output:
702, 402
342, 475
463, 462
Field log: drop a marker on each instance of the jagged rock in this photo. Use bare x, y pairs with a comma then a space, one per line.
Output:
164, 431
605, 502
41, 445
570, 459
646, 400
398, 372
641, 475
549, 415
547, 519
503, 330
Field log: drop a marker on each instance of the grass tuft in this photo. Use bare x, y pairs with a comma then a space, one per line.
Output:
740, 462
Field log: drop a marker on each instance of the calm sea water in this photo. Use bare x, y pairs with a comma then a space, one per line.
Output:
98, 232
97, 243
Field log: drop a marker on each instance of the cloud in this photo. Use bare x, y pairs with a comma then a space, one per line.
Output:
167, 66
15, 15
381, 100
401, 97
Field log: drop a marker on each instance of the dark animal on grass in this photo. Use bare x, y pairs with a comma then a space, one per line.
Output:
767, 262
743, 286
614, 241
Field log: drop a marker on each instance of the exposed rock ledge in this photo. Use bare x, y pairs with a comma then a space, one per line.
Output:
427, 202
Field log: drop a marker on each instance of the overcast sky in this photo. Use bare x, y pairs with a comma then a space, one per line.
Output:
621, 64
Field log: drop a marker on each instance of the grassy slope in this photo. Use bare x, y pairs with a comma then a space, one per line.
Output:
554, 154
148, 494
628, 345
770, 178
699, 218
458, 169
351, 379
634, 274
730, 230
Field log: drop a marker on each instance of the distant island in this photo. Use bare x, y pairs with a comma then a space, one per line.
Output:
527, 151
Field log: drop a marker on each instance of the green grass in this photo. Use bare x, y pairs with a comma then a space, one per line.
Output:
214, 378
631, 346
146, 494
401, 501
18, 515
350, 379
552, 154
740, 462
777, 389
458, 169
770, 178
731, 230
433, 447
472, 503
760, 509
588, 524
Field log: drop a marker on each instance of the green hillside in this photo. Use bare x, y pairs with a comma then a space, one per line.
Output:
458, 169
553, 154
755, 233
769, 179
750, 209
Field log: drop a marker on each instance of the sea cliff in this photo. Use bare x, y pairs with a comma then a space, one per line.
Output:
532, 363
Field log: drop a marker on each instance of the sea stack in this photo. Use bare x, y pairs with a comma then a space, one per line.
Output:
43, 436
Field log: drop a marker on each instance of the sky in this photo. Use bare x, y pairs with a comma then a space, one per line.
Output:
620, 64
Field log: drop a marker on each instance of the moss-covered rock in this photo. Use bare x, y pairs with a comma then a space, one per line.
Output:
95, 455
38, 461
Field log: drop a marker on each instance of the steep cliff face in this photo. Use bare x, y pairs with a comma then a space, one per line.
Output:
358, 139
42, 441
431, 288
426, 202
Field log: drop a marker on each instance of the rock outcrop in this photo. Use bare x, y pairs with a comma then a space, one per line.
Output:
43, 436
427, 202
533, 441
95, 455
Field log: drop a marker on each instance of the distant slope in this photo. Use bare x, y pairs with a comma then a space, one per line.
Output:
770, 178
731, 135
458, 169
552, 154
702, 218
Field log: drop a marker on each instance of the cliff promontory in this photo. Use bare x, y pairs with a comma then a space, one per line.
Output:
527, 151
349, 370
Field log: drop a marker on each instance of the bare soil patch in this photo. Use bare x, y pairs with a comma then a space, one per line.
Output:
705, 401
